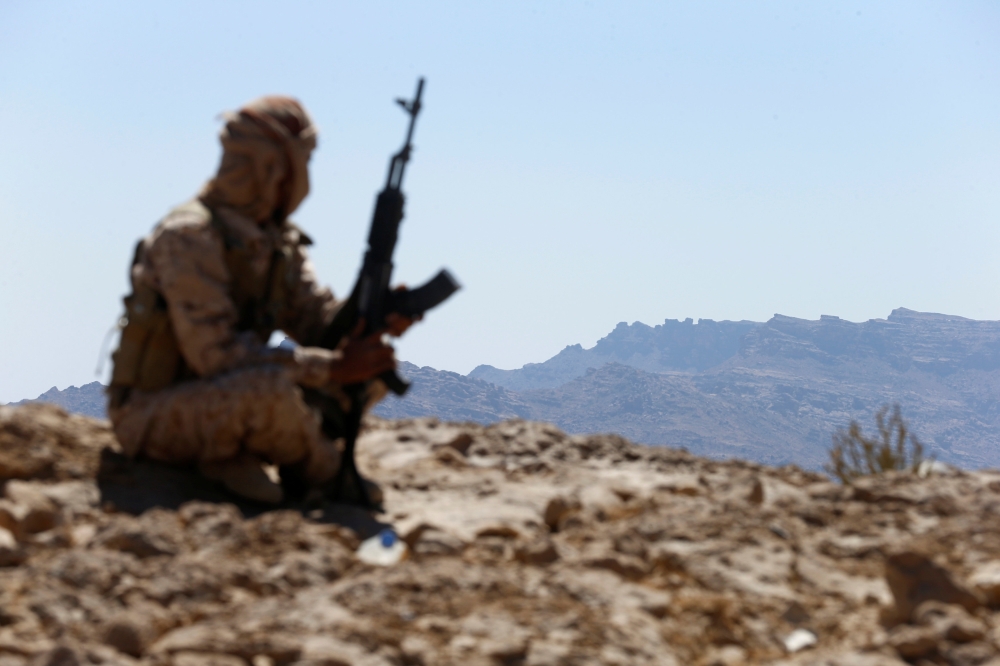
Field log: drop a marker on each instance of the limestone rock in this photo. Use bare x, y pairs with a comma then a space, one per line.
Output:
914, 642
531, 547
154, 533
914, 578
558, 509
986, 579
436, 542
33, 511
125, 635
539, 551
10, 552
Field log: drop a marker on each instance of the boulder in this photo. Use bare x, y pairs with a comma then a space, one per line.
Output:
914, 578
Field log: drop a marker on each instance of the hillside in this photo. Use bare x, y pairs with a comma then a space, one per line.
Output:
524, 546
453, 397
681, 346
87, 399
781, 392
772, 392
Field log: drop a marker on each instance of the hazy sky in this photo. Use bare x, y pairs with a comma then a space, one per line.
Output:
578, 163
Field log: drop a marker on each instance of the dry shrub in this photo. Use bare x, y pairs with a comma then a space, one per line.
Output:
895, 448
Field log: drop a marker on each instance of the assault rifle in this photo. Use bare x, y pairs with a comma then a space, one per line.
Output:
372, 301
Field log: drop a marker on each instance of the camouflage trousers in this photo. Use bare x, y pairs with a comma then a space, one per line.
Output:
257, 410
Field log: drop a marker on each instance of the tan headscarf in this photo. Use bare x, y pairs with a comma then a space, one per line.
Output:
264, 173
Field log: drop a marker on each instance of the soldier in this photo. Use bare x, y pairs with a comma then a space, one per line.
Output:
194, 380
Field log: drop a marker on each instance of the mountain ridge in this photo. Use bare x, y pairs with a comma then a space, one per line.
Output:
775, 395
787, 388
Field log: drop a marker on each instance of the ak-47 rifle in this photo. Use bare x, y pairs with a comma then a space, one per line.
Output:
372, 301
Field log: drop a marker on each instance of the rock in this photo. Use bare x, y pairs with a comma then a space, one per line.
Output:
500, 530
795, 614
914, 578
652, 601
491, 635
558, 509
626, 566
60, 656
33, 510
74, 496
914, 642
537, 552
11, 554
244, 642
41, 441
10, 516
417, 650
156, 532
460, 442
727, 655
99, 571
850, 658
950, 621
985, 579
80, 535
437, 542
328, 651
125, 635
683, 484
651, 569
450, 457
205, 659
303, 569
970, 654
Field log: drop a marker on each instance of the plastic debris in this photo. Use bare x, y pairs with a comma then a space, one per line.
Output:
384, 549
800, 639
933, 468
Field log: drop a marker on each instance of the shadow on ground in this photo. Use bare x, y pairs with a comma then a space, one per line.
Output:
134, 486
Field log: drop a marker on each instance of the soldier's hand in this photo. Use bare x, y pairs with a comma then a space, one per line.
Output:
362, 359
395, 323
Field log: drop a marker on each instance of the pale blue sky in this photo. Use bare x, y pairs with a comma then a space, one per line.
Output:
578, 163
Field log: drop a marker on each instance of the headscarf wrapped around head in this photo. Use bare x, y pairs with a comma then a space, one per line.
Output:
265, 159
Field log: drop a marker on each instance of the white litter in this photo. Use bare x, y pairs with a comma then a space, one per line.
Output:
933, 468
384, 549
800, 639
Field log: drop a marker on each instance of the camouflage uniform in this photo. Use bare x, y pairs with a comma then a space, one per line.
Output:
194, 380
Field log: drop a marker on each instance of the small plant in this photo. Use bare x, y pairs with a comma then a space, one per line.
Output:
895, 448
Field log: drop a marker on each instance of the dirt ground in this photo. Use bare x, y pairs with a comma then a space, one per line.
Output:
524, 546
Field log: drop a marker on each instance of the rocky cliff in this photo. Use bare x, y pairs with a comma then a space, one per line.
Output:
674, 346
523, 546
772, 392
87, 399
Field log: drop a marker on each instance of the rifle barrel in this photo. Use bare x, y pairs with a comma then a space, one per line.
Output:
398, 164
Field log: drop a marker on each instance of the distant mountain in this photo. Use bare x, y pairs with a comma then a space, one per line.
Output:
773, 392
452, 397
777, 394
88, 399
673, 346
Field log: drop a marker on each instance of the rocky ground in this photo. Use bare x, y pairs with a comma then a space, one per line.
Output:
525, 546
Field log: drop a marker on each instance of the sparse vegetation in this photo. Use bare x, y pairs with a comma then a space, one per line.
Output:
895, 448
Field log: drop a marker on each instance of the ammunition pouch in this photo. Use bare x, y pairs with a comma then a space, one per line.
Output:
148, 357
